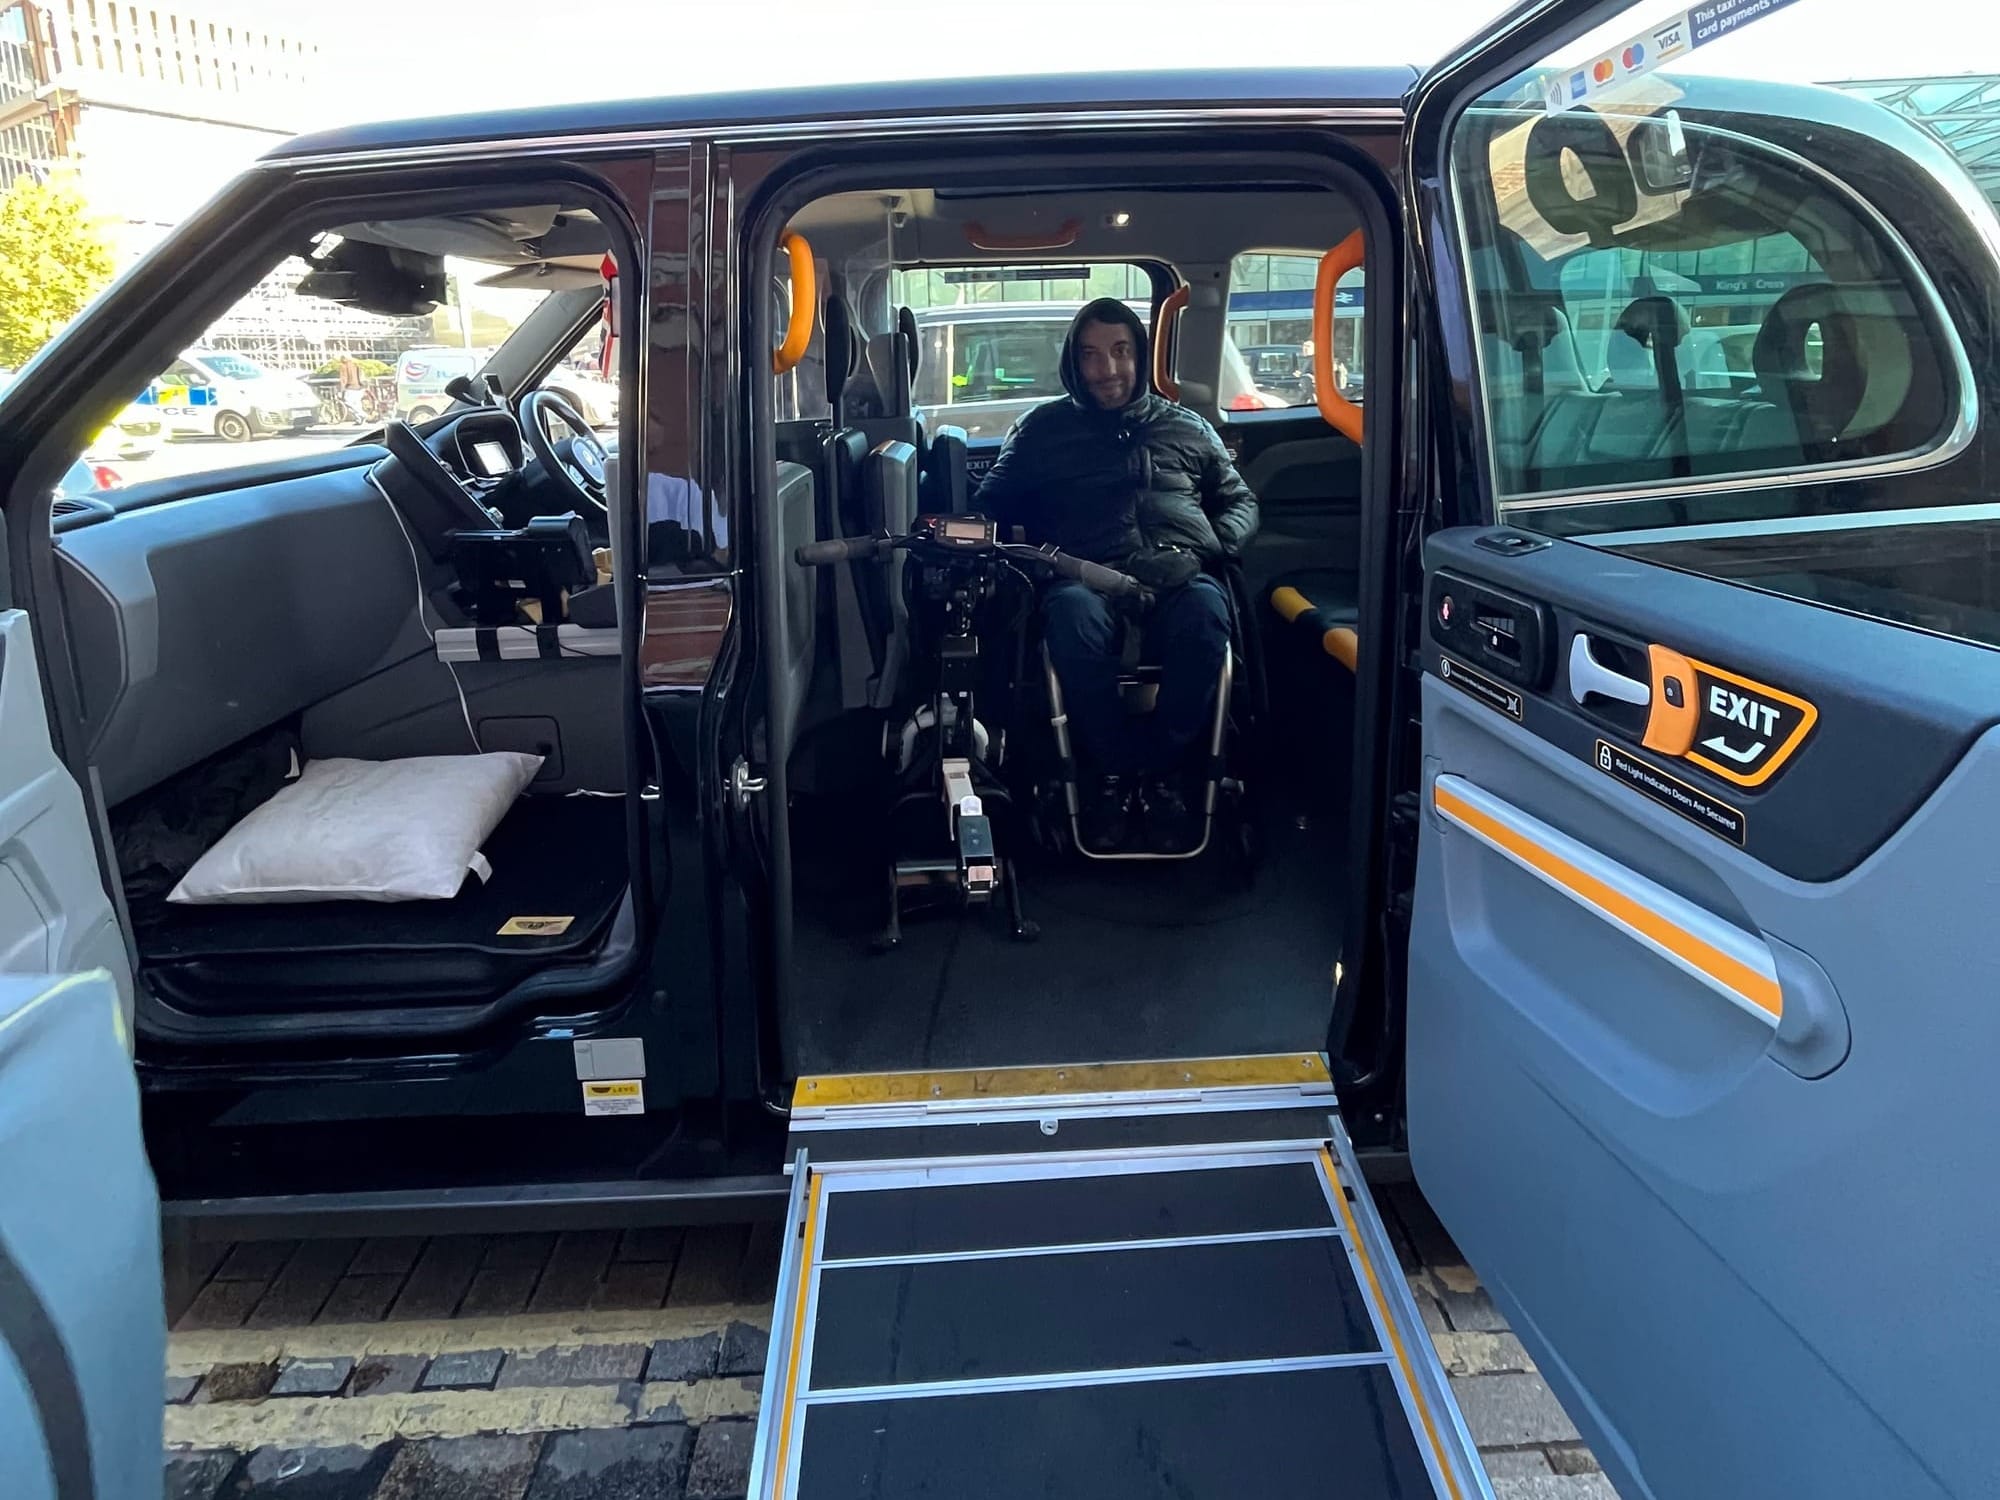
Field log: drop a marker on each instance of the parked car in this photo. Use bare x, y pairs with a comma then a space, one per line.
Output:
220, 394
1283, 370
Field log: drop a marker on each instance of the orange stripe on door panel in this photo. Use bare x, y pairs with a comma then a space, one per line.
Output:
1724, 971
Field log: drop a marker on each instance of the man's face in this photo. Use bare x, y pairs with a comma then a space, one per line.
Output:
1109, 360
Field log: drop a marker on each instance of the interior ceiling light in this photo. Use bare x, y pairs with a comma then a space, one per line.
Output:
1118, 220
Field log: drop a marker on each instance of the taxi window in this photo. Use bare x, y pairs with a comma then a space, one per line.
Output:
1667, 302
1270, 323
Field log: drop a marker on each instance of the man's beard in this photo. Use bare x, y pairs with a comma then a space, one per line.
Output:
1112, 394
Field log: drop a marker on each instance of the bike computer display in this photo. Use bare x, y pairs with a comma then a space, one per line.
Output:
962, 531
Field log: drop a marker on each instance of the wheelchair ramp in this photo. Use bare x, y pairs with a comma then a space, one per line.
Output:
1096, 1282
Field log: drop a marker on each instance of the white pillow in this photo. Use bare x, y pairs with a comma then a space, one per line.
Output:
364, 830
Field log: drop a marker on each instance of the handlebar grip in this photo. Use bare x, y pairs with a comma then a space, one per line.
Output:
838, 550
1095, 575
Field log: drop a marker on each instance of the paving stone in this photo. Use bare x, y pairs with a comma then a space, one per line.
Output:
186, 1264
710, 1263
198, 1476
575, 1268
387, 1257
255, 1260
759, 1279
1456, 1278
593, 1364
632, 1286
720, 1469
632, 1463
1516, 1463
311, 1473
222, 1304
463, 1468
180, 1388
518, 1252
360, 1299
1576, 1460
1483, 1354
304, 1285
473, 1369
684, 1359
313, 1377
387, 1375
1510, 1411
1435, 1322
440, 1278
650, 1245
744, 1350
1556, 1487
1473, 1314
499, 1292
244, 1382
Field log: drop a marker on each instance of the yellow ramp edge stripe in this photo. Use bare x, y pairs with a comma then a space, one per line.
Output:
1389, 1322
1277, 1070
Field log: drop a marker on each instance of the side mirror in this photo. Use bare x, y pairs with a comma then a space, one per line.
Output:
1657, 149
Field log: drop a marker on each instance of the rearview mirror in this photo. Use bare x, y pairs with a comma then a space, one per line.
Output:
1657, 149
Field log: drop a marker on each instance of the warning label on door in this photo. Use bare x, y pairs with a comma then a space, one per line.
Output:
614, 1096
1691, 802
1495, 695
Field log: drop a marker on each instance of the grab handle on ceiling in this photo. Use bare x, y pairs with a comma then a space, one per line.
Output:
1060, 238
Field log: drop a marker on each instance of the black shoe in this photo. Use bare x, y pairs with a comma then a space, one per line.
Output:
1171, 825
1104, 820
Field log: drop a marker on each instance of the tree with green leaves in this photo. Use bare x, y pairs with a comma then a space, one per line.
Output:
53, 259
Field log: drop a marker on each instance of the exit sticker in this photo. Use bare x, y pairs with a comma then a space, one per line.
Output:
1746, 730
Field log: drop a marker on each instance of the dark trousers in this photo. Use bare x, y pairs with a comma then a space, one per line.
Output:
1187, 633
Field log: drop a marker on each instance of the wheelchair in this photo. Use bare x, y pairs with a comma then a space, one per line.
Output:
943, 759
1217, 764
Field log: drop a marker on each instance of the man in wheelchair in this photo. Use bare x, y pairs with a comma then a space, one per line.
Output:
1117, 474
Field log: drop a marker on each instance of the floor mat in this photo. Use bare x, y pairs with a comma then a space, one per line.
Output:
1134, 961
551, 857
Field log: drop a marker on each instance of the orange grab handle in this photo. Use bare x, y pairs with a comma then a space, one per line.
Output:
805, 297
1342, 415
1061, 238
1163, 332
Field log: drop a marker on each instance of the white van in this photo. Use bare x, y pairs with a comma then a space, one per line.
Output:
214, 393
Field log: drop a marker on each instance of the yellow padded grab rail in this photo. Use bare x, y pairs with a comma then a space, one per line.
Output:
1342, 415
805, 298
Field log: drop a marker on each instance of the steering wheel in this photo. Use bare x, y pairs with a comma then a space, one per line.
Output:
577, 461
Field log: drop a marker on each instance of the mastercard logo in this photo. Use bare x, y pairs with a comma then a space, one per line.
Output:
1634, 56
1602, 72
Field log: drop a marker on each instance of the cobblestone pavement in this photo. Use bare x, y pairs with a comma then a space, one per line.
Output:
608, 1366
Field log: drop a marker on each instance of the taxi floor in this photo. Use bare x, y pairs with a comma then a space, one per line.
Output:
609, 1366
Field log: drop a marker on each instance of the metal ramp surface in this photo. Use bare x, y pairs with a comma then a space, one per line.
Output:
1092, 1283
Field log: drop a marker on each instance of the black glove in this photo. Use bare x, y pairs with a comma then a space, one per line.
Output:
1163, 569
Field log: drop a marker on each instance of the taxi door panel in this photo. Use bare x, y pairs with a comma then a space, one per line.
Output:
1699, 1104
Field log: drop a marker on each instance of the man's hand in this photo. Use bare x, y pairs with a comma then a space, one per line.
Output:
1163, 569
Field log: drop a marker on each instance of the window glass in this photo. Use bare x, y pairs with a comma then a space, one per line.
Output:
1270, 338
990, 337
289, 370
1670, 292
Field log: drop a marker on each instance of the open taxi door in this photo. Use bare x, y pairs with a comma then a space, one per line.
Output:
1701, 1021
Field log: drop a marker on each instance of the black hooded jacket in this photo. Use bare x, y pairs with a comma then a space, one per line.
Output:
1106, 485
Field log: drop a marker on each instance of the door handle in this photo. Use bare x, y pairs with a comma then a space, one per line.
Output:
1588, 675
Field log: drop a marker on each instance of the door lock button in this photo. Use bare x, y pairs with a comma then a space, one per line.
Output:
1674, 693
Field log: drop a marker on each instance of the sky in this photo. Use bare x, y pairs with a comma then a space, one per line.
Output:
454, 55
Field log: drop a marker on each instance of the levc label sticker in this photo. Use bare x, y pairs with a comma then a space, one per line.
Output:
536, 926
1691, 802
614, 1096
